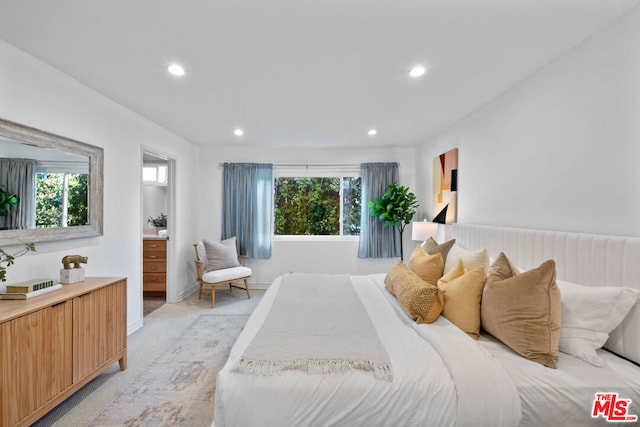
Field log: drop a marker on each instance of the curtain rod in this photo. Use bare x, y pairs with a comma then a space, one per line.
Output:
348, 165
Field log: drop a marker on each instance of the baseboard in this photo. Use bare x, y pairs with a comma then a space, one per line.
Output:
134, 327
182, 295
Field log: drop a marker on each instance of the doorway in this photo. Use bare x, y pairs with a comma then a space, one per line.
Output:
157, 215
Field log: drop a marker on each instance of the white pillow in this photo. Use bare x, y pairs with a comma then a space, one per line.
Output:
470, 259
589, 314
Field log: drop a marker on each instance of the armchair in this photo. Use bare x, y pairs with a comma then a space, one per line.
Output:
222, 266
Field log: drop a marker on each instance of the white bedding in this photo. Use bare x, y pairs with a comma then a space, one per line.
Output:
564, 396
433, 382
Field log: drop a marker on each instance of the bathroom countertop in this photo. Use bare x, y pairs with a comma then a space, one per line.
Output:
154, 237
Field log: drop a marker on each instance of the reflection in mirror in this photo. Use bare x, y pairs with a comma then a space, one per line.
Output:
50, 186
55, 184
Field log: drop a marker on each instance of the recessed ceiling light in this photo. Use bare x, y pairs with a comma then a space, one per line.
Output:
176, 69
238, 132
417, 71
372, 132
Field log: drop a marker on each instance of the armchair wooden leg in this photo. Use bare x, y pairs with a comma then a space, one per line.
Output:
213, 296
200, 291
246, 286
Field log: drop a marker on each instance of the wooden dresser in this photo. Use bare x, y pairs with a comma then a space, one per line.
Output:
154, 266
53, 344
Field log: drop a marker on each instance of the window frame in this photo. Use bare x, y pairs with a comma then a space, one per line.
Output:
312, 171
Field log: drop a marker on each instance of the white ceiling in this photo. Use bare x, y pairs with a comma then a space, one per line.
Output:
302, 73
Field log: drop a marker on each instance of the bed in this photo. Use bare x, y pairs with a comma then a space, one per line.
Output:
440, 376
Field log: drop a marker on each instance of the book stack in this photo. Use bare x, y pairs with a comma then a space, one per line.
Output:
30, 289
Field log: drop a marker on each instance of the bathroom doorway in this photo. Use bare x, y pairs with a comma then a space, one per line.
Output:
157, 215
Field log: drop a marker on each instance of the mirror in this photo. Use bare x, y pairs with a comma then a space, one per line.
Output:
58, 181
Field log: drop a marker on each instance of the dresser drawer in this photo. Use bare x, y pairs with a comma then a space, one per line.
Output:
154, 245
154, 255
154, 282
154, 266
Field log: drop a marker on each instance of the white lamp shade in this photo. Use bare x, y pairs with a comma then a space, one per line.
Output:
422, 230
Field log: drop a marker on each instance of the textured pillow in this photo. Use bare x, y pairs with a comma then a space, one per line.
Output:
470, 259
462, 297
589, 314
422, 301
454, 273
221, 254
428, 267
523, 310
432, 247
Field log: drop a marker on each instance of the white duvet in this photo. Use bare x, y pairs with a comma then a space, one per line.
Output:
441, 377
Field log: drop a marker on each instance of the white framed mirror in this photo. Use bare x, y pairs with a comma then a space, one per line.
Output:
58, 182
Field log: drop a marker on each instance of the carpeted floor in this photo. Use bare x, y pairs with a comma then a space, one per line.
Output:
164, 366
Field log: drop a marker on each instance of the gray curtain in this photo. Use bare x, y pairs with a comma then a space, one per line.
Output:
17, 176
377, 241
246, 207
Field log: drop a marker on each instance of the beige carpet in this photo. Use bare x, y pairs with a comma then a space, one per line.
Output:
150, 346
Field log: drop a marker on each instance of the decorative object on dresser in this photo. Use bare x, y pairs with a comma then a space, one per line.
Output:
75, 274
154, 266
7, 259
159, 222
60, 341
29, 289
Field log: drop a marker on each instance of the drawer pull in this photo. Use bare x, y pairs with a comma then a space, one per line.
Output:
153, 246
153, 256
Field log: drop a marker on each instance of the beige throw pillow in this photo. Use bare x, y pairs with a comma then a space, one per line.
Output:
422, 301
432, 247
221, 254
462, 298
428, 267
523, 311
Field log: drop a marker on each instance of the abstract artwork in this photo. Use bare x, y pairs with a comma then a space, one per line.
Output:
445, 187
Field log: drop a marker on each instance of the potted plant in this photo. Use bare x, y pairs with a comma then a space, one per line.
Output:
159, 222
8, 201
7, 259
395, 207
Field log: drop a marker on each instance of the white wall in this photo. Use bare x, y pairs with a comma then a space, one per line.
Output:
34, 94
317, 256
561, 149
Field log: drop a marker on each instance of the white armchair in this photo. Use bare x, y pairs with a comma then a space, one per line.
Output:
217, 263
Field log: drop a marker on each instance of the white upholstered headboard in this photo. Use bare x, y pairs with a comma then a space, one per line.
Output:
587, 259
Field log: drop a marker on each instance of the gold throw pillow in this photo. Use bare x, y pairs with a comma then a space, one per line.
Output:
428, 267
462, 297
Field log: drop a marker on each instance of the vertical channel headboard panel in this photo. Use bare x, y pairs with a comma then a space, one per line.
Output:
586, 259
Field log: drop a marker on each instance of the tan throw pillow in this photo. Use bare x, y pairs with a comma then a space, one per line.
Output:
394, 275
523, 311
221, 254
455, 272
422, 301
428, 267
462, 297
432, 247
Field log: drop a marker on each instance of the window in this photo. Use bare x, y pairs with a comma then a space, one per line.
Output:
61, 194
317, 202
155, 174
